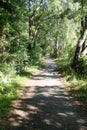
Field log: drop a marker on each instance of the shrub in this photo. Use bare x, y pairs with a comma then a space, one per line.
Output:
81, 67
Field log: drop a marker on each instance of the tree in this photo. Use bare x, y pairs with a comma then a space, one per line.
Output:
81, 47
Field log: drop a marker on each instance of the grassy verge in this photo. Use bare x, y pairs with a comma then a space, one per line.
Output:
10, 91
77, 83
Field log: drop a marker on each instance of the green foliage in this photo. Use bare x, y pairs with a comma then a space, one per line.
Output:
75, 80
21, 60
15, 56
10, 90
81, 91
20, 49
37, 57
81, 66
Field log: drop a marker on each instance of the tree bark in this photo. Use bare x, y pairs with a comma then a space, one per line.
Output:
56, 48
81, 42
30, 21
30, 27
84, 52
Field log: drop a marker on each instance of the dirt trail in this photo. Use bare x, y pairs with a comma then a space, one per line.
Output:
46, 105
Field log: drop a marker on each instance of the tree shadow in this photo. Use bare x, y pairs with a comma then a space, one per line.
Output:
47, 108
25, 73
80, 94
43, 76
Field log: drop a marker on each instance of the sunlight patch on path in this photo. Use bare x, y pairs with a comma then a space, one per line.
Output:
45, 104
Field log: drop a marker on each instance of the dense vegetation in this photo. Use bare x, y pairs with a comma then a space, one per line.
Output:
33, 29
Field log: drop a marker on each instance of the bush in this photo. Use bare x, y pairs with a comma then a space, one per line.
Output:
37, 57
21, 60
81, 67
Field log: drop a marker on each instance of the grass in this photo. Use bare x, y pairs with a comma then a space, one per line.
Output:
77, 82
12, 90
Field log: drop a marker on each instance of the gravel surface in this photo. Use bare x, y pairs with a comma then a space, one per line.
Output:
46, 105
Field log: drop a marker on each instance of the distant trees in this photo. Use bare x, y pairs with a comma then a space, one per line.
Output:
30, 29
36, 20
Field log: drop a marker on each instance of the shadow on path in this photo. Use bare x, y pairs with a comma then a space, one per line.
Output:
45, 105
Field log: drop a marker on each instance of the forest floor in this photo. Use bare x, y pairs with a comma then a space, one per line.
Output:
45, 104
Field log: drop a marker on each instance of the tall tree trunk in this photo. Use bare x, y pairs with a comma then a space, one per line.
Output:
81, 41
32, 34
56, 48
30, 22
30, 27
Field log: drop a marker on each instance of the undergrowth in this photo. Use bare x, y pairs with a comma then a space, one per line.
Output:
10, 90
77, 78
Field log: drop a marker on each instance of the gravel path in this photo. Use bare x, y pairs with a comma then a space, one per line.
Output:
46, 105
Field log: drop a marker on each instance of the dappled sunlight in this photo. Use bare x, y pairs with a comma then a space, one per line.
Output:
43, 64
81, 121
45, 105
62, 114
47, 121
